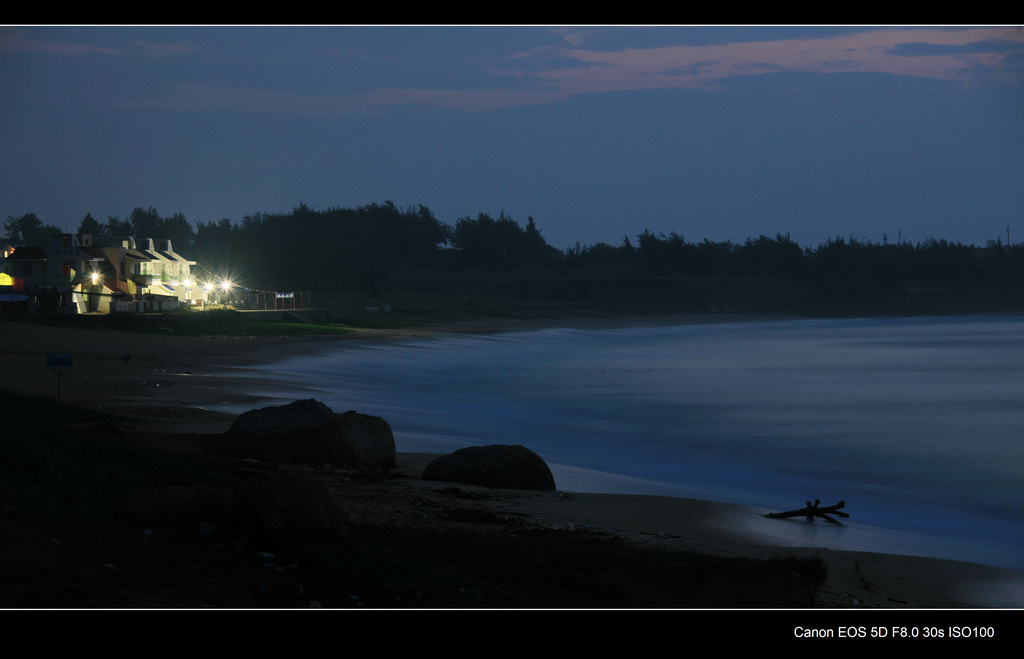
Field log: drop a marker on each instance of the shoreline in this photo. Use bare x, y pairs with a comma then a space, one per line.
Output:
169, 378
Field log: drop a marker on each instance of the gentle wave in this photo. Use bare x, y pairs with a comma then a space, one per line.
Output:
914, 422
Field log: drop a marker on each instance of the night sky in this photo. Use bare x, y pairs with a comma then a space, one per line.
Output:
597, 132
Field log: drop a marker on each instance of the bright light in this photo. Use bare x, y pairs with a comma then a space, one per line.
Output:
95, 278
225, 285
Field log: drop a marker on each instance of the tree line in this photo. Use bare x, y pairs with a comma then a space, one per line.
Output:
843, 275
312, 249
28, 229
356, 249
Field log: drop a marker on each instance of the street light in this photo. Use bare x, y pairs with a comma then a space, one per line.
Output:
223, 288
208, 289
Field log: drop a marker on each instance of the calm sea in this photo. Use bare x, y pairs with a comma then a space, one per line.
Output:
918, 424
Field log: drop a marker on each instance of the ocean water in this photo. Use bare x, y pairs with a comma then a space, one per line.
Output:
918, 424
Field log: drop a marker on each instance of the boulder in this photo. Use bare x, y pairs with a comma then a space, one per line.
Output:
275, 418
284, 504
183, 506
280, 505
307, 431
498, 466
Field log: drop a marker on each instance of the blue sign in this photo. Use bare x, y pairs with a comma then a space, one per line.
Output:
58, 360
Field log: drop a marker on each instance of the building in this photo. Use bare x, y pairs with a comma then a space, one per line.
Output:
11, 287
167, 273
48, 276
72, 275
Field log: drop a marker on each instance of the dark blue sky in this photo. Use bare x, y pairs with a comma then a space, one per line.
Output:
598, 132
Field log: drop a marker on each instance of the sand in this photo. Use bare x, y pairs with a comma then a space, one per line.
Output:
169, 379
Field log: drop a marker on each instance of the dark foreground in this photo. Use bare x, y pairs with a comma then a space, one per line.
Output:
69, 543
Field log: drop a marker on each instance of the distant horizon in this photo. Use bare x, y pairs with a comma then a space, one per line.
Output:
885, 238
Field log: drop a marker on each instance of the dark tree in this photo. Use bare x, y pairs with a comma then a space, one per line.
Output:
486, 243
28, 230
90, 225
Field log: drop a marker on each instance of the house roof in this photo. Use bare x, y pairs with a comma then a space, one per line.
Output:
94, 253
160, 255
28, 253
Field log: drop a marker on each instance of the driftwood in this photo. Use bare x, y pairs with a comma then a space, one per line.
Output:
812, 511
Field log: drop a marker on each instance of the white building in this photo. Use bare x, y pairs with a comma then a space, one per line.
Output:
165, 272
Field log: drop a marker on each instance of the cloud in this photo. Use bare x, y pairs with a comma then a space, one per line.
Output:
155, 49
207, 97
951, 54
17, 41
571, 61
26, 40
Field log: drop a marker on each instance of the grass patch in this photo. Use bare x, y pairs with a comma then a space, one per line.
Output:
226, 322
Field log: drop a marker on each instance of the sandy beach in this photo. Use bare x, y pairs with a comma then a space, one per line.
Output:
169, 379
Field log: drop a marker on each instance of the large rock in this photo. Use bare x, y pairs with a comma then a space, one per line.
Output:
307, 431
285, 504
498, 465
183, 506
300, 414
281, 505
